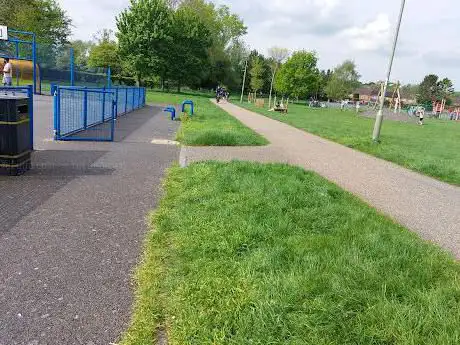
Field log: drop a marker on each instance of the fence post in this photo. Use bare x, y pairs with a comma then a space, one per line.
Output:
17, 69
30, 94
109, 77
116, 102
126, 101
55, 104
34, 61
103, 105
85, 108
112, 129
58, 114
72, 67
134, 96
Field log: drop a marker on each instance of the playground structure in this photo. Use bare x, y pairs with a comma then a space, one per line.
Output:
252, 97
395, 100
439, 107
24, 71
21, 46
42, 64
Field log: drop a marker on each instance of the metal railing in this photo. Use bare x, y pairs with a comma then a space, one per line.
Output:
89, 114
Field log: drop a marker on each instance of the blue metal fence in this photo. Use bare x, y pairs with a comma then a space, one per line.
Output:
27, 91
89, 114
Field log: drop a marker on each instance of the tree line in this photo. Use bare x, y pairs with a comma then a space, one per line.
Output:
190, 43
159, 42
297, 76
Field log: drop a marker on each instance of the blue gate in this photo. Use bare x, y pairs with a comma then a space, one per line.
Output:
89, 114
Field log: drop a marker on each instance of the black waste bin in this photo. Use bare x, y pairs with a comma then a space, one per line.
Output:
15, 141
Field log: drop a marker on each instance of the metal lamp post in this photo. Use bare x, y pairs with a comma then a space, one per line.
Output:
379, 118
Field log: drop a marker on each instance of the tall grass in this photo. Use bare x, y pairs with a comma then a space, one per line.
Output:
245, 253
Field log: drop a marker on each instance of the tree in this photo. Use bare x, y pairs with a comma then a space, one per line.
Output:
325, 77
189, 52
445, 89
256, 72
428, 89
432, 89
144, 37
238, 54
81, 52
225, 31
344, 80
409, 91
277, 56
299, 76
45, 18
105, 52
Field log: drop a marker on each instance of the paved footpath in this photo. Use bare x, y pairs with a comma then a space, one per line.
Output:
72, 229
422, 204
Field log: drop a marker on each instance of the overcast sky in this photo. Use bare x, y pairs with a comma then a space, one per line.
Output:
361, 30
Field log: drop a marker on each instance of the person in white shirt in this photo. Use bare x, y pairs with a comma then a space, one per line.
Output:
7, 73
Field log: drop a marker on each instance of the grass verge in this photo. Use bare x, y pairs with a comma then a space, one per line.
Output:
432, 150
211, 126
244, 253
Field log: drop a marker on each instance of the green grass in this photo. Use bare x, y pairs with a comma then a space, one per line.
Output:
211, 126
245, 253
433, 149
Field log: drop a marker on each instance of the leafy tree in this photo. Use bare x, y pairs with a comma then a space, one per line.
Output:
44, 17
344, 80
428, 89
144, 37
81, 52
189, 52
409, 91
325, 77
446, 88
237, 54
299, 76
433, 89
257, 74
225, 31
105, 52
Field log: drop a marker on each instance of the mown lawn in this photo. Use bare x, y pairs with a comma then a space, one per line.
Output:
211, 126
244, 253
433, 149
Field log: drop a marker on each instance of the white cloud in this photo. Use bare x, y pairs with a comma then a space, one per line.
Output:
373, 36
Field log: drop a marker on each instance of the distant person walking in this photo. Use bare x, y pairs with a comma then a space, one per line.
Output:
7, 73
421, 116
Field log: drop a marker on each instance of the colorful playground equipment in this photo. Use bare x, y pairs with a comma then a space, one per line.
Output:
439, 107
